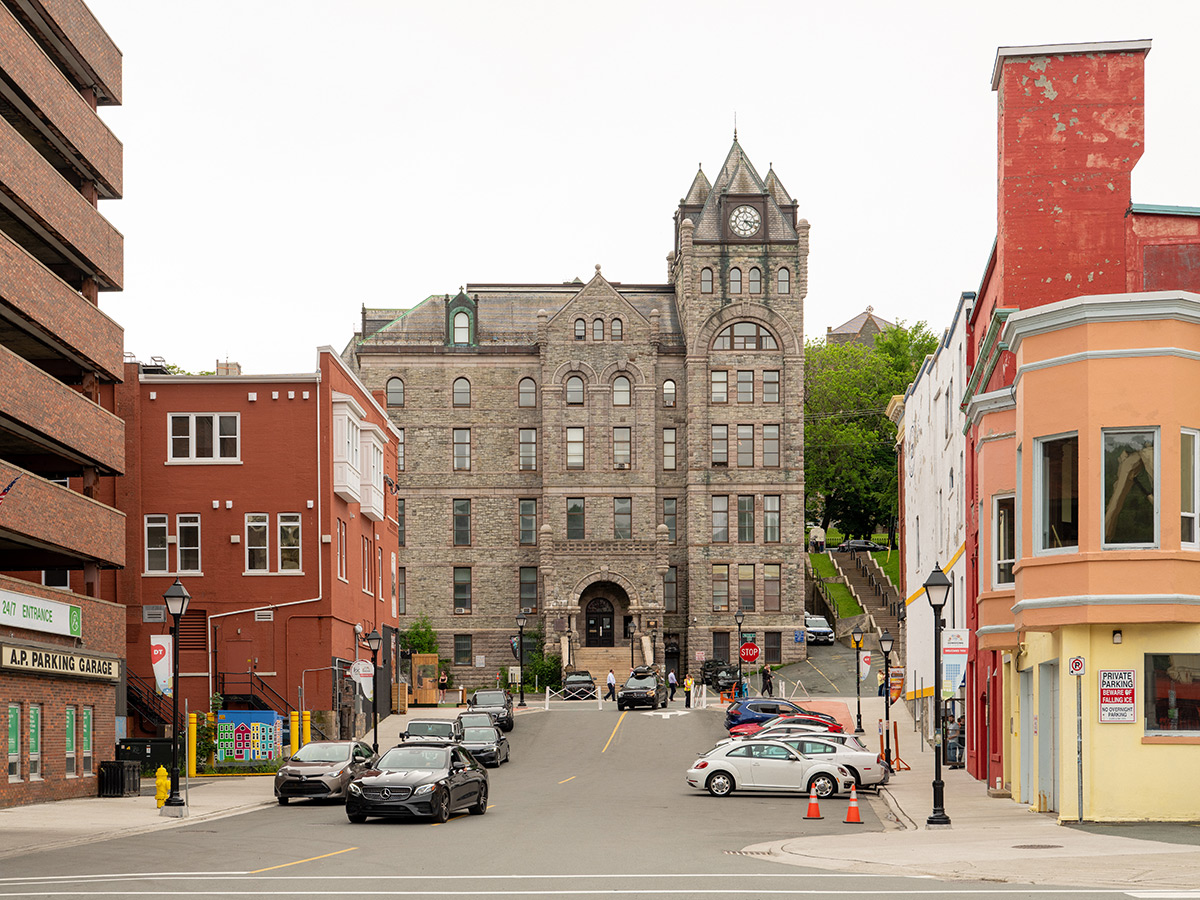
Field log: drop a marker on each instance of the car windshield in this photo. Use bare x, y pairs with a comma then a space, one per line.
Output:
415, 758
479, 719
816, 622
640, 681
488, 698
583, 678
479, 734
438, 729
322, 753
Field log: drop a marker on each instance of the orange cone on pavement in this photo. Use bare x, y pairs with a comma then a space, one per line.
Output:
852, 816
814, 808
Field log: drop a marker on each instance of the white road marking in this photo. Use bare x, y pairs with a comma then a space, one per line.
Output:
668, 713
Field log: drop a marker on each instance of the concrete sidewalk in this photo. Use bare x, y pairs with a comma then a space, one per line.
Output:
990, 839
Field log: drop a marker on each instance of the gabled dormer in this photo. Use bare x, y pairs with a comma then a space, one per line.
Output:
462, 321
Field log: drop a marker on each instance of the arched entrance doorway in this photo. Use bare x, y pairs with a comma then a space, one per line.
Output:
598, 623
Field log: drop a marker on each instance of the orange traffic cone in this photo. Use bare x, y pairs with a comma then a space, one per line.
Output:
814, 808
852, 816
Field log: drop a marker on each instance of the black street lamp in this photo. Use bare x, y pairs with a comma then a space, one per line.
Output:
739, 617
374, 641
177, 599
857, 636
653, 639
937, 589
521, 620
885, 644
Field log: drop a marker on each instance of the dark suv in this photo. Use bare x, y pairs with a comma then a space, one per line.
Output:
498, 703
710, 667
645, 687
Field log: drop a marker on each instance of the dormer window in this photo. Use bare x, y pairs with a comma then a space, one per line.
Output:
462, 328
706, 281
618, 330
580, 330
735, 281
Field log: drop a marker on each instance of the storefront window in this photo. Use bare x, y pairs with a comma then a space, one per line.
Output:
1057, 485
1173, 692
1131, 488
35, 743
14, 742
69, 738
86, 740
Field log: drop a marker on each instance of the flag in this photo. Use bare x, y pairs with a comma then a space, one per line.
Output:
864, 665
4, 493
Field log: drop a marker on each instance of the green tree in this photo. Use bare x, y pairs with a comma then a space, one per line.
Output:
420, 637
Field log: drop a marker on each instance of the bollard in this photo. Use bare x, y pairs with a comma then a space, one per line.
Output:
306, 731
294, 731
162, 786
191, 746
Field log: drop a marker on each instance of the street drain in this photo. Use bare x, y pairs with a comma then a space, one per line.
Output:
1037, 846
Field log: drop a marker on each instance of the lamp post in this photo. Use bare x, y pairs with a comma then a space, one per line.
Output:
885, 644
177, 598
739, 617
521, 620
857, 635
937, 589
653, 639
374, 641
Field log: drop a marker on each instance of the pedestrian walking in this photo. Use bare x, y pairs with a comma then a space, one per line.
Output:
443, 683
687, 690
768, 682
880, 682
953, 731
673, 683
611, 693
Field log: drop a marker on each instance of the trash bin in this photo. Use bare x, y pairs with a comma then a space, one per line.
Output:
150, 753
120, 778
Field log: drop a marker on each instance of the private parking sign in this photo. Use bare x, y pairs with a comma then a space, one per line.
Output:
1117, 695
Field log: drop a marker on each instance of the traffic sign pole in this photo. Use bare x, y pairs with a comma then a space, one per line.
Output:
1076, 667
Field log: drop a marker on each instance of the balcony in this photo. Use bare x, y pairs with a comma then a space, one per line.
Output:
45, 526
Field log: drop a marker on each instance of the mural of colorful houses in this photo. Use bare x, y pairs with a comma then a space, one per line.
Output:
249, 737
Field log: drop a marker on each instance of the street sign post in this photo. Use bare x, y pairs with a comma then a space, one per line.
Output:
749, 652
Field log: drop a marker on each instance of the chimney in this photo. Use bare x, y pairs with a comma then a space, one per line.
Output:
229, 368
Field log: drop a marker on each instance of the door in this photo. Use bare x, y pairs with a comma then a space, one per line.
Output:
774, 768
1026, 735
599, 630
1048, 737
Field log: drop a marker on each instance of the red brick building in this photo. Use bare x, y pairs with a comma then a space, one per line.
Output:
60, 652
268, 497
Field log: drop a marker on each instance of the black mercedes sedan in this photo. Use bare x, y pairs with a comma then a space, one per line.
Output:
420, 780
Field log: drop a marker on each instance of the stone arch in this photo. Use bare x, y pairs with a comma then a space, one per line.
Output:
573, 365
789, 341
599, 575
624, 367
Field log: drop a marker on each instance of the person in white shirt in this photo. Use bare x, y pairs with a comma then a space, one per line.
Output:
611, 693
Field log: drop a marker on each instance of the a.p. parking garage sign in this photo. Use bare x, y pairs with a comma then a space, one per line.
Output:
58, 662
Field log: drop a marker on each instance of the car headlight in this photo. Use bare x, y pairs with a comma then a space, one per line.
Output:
337, 773
354, 788
423, 789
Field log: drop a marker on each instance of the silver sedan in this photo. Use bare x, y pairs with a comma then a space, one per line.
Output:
867, 767
322, 769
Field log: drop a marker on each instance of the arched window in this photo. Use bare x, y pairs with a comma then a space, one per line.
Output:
618, 330
755, 279
395, 392
745, 336
580, 329
735, 281
462, 328
785, 281
706, 281
462, 392
527, 392
575, 390
597, 329
620, 391
668, 393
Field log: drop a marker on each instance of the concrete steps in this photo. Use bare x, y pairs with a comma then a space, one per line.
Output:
598, 660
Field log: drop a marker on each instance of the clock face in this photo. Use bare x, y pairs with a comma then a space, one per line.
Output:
745, 221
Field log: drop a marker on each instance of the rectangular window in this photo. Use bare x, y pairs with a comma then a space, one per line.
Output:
622, 518
35, 742
622, 455
187, 530
343, 563
720, 519
69, 742
770, 390
720, 589
256, 542
574, 448
289, 542
745, 446
462, 650
719, 381
1172, 695
528, 454
366, 565
668, 449
670, 505
574, 518
14, 742
720, 445
746, 519
1004, 523
745, 386
402, 591
721, 645
156, 544
85, 740
774, 649
746, 587
400, 450
771, 587
204, 437
771, 446
462, 449
462, 589
529, 589
401, 525
60, 578
1131, 487
670, 582
1056, 491
1189, 483
379, 574
527, 521
462, 523
771, 519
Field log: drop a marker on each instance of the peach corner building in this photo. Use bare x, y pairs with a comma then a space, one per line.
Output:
1083, 455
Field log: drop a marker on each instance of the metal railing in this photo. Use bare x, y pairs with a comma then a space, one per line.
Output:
154, 707
251, 685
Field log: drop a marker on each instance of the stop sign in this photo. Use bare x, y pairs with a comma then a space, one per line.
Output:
748, 652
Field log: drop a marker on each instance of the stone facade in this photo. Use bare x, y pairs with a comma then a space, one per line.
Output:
611, 373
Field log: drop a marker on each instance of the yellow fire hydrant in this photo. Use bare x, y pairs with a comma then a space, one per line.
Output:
162, 785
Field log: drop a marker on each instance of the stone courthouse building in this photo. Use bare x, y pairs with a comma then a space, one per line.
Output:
622, 463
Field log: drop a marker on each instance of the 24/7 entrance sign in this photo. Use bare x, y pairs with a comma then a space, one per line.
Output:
1117, 700
749, 652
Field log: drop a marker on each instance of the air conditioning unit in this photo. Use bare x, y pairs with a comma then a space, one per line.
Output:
459, 610
526, 609
622, 466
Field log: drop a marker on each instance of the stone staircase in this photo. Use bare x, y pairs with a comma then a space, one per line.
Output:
598, 660
877, 596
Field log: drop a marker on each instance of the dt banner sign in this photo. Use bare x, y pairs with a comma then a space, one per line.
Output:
160, 659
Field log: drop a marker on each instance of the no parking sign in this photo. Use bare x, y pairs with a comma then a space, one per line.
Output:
1075, 666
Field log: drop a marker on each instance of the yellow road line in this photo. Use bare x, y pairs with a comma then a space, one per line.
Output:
822, 674
614, 731
297, 862
565, 780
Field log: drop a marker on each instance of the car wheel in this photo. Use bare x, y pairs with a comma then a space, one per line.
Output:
823, 784
720, 784
356, 818
441, 807
283, 801
480, 806
620, 706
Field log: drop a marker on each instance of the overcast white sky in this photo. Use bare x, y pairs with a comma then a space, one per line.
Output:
288, 161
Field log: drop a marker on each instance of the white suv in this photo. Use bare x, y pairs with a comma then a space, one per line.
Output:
818, 630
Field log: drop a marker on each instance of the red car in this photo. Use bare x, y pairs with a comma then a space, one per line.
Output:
755, 727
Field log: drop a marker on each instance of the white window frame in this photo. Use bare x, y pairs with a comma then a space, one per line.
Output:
1039, 490
35, 756
1194, 515
670, 459
462, 327
180, 524
341, 538
156, 521
997, 584
379, 574
366, 565
399, 449
218, 458
288, 520
1157, 514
